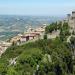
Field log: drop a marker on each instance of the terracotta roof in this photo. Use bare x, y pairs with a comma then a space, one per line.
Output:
29, 35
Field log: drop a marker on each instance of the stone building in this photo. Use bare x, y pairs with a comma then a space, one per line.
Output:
71, 21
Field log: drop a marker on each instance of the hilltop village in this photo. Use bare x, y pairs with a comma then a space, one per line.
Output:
45, 50
34, 34
29, 36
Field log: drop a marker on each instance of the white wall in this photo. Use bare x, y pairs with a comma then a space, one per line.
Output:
23, 39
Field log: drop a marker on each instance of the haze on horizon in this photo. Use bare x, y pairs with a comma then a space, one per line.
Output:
36, 7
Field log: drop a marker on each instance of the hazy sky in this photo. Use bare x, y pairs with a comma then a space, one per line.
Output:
37, 7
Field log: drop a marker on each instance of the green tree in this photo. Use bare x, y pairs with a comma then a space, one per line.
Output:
45, 36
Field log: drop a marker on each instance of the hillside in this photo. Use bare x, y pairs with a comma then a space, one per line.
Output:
43, 57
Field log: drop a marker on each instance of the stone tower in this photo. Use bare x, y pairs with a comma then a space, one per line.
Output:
71, 21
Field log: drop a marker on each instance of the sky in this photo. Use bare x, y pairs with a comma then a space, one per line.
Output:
37, 7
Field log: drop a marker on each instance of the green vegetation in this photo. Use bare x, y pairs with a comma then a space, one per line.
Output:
42, 57
53, 27
45, 36
32, 54
64, 31
63, 28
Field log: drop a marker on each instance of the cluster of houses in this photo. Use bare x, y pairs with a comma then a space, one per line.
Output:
4, 46
34, 34
30, 34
